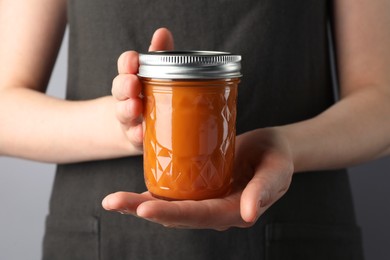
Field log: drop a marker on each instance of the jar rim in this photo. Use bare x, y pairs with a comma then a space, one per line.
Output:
189, 64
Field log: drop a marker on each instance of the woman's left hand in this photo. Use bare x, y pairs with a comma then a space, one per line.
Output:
263, 173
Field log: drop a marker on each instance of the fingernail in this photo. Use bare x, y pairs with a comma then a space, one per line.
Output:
259, 204
258, 207
124, 211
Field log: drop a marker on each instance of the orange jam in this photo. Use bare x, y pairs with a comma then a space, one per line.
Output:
189, 137
189, 122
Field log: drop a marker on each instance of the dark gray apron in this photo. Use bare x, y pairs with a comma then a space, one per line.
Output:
286, 79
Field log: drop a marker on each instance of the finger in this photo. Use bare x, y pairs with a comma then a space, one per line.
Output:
125, 201
267, 185
125, 86
215, 213
135, 134
128, 62
162, 40
255, 196
129, 111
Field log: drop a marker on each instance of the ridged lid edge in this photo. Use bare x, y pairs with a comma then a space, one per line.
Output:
189, 65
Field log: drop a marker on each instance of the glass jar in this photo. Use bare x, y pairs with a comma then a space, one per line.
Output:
189, 122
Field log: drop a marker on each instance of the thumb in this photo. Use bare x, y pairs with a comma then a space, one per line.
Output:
254, 198
162, 40
267, 186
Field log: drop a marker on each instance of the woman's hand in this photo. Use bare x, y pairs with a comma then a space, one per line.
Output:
354, 130
263, 172
126, 87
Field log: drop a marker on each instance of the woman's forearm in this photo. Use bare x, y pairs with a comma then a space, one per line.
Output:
354, 130
38, 127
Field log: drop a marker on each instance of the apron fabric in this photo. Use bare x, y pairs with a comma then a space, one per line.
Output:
287, 78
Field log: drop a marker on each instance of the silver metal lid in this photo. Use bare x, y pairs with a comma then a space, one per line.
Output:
189, 65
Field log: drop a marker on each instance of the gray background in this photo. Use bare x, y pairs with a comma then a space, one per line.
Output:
25, 188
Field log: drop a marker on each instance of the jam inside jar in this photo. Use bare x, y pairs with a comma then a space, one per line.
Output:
189, 136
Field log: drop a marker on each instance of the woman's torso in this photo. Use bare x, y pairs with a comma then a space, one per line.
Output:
286, 79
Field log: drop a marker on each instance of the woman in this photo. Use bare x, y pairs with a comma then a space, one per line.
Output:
287, 124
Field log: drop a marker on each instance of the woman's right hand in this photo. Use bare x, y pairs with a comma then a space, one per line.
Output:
126, 87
